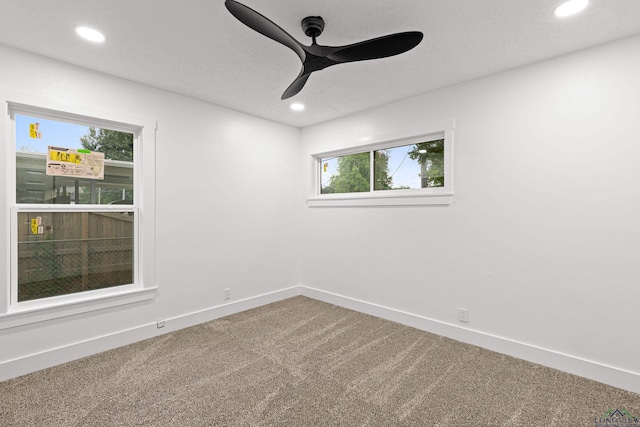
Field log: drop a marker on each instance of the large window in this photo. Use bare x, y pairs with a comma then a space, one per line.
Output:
402, 171
75, 217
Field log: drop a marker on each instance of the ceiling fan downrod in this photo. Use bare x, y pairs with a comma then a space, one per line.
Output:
313, 26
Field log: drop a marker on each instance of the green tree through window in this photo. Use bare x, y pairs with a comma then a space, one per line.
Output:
354, 171
430, 156
421, 165
115, 145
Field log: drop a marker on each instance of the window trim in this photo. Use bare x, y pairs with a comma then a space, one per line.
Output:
27, 312
410, 197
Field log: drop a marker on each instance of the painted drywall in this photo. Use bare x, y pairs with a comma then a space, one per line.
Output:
225, 195
541, 241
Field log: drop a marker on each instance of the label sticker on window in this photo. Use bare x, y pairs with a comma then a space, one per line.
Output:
33, 130
79, 163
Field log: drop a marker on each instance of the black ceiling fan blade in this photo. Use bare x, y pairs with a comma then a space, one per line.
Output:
380, 47
264, 26
296, 86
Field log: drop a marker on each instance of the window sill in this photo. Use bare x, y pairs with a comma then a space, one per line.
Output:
65, 309
386, 199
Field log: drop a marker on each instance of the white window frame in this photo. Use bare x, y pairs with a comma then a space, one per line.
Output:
406, 197
143, 288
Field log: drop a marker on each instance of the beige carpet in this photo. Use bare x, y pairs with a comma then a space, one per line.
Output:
301, 362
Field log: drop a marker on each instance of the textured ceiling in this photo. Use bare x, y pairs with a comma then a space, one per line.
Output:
197, 48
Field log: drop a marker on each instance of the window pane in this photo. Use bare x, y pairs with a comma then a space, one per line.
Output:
383, 181
62, 253
345, 174
33, 185
418, 165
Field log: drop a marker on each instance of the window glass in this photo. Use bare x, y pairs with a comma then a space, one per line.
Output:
411, 166
346, 174
383, 180
73, 242
33, 185
60, 253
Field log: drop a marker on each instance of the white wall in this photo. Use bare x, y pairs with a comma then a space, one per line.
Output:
542, 241
226, 191
540, 244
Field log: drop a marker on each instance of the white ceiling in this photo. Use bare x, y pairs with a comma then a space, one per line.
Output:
197, 48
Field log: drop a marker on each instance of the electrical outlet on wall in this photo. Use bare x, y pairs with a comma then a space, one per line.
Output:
463, 315
227, 294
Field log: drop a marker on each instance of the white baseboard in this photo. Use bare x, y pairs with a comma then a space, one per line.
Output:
46, 359
610, 375
585, 368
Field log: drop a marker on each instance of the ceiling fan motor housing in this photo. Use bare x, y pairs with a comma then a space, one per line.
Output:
313, 26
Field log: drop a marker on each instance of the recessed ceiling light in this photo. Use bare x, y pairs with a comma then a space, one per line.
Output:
297, 107
90, 34
570, 8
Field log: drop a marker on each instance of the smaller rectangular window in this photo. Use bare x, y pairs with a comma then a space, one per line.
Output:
412, 166
406, 170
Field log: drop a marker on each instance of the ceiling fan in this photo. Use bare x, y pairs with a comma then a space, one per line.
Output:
316, 57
